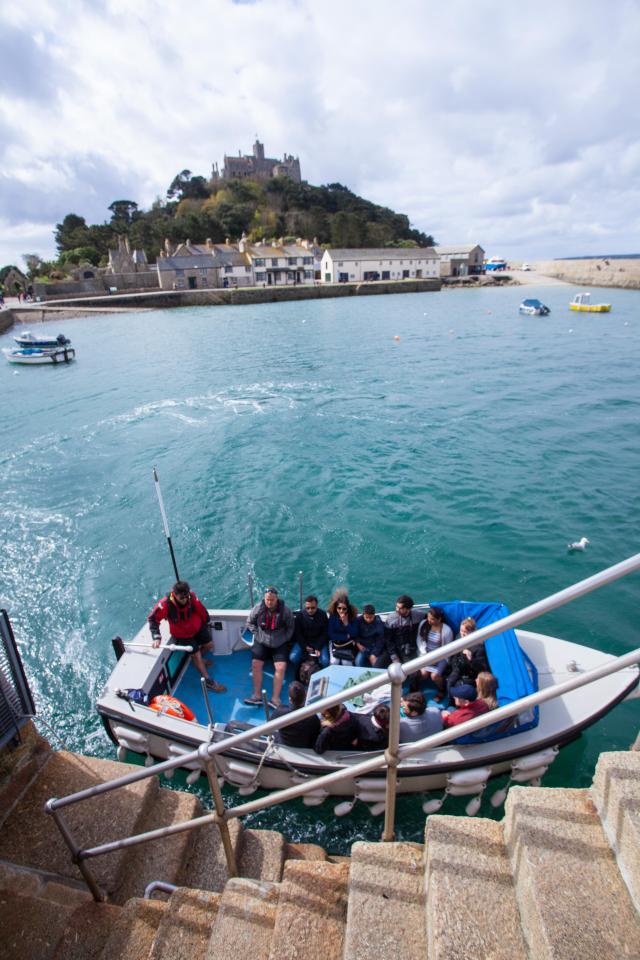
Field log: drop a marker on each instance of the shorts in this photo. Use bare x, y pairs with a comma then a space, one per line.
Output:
260, 651
199, 640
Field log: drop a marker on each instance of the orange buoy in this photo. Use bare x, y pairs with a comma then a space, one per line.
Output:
163, 703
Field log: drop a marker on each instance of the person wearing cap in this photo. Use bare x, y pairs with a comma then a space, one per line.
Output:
188, 626
468, 705
272, 626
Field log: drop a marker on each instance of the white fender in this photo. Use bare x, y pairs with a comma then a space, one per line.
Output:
467, 777
315, 798
540, 759
465, 789
371, 796
131, 736
240, 773
524, 776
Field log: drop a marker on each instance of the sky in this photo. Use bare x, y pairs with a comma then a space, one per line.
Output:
511, 125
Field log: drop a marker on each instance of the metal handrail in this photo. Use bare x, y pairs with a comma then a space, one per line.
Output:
396, 673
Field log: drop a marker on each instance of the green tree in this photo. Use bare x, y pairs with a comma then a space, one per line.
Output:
122, 214
71, 233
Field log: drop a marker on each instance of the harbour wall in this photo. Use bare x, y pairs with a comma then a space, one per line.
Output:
599, 272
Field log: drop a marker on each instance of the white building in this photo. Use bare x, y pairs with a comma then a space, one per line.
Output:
383, 263
461, 260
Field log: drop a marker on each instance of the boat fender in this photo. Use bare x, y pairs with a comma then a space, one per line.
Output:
524, 776
370, 796
315, 797
468, 777
377, 808
465, 789
536, 759
130, 736
372, 783
173, 707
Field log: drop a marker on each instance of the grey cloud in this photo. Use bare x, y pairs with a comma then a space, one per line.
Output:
27, 71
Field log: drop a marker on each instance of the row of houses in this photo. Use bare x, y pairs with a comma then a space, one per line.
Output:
192, 266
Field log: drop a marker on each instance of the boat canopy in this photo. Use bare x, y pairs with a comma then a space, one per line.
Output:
517, 676
532, 303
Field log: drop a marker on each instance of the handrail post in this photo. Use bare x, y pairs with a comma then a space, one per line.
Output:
212, 776
391, 753
76, 851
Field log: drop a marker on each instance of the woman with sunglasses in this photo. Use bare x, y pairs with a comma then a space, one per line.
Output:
343, 629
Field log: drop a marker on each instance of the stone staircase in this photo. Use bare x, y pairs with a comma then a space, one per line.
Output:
557, 879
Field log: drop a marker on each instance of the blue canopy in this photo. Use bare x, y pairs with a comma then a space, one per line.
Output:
516, 674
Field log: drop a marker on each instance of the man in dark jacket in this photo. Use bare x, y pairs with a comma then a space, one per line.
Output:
188, 626
400, 632
301, 733
271, 624
311, 637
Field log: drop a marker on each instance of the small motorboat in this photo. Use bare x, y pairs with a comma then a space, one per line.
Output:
582, 301
33, 355
534, 308
27, 339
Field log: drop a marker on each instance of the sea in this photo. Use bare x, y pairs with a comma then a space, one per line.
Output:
436, 444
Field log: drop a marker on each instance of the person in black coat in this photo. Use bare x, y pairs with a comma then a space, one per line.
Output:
374, 728
300, 733
339, 731
465, 666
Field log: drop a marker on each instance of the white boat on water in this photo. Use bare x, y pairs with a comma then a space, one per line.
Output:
39, 355
534, 308
27, 339
527, 665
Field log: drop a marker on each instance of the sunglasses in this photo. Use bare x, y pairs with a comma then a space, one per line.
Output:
341, 608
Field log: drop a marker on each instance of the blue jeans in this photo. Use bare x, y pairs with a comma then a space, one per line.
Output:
362, 659
297, 654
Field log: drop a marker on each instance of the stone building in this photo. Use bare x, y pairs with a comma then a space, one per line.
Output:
15, 281
383, 263
125, 260
461, 260
257, 167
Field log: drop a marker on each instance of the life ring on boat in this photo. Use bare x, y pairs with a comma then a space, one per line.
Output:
163, 703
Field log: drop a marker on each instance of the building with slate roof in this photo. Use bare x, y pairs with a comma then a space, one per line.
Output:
381, 263
463, 260
257, 166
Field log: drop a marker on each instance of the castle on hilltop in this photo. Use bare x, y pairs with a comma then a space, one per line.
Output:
257, 167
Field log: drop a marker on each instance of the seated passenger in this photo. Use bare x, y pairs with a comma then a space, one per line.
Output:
417, 720
468, 705
370, 640
432, 634
339, 730
343, 629
400, 631
301, 733
465, 666
486, 685
374, 728
311, 634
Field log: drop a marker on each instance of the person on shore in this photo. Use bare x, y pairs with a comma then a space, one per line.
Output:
272, 626
302, 733
468, 705
311, 635
487, 685
432, 634
188, 625
465, 666
373, 728
339, 730
400, 632
370, 641
417, 720
343, 629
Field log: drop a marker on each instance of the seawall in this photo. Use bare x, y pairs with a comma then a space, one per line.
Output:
600, 272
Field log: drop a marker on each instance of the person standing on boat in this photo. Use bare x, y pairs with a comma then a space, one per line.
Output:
272, 626
188, 625
400, 631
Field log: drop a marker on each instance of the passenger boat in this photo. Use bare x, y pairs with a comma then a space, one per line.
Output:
534, 308
523, 661
582, 302
33, 355
27, 339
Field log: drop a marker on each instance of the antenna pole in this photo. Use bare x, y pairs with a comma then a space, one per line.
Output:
165, 522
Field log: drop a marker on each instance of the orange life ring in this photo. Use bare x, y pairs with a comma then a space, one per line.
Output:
163, 703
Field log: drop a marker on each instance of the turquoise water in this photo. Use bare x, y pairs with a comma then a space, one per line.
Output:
455, 461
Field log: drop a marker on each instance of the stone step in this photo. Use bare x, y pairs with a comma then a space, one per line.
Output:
20, 767
206, 866
29, 836
261, 855
134, 931
186, 925
243, 928
31, 927
616, 795
312, 911
469, 887
386, 902
35, 883
87, 931
304, 851
159, 859
573, 903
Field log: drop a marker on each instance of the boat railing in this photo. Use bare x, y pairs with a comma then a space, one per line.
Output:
389, 759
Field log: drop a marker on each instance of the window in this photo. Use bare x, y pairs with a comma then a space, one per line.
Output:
307, 260
260, 277
327, 278
259, 261
228, 269
292, 261
274, 262
247, 269
308, 275
341, 263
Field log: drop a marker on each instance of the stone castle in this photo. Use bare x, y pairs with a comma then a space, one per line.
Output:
257, 167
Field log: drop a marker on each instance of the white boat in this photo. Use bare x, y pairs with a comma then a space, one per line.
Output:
523, 661
33, 355
582, 302
534, 308
27, 339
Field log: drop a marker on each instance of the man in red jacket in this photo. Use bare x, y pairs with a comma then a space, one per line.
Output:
468, 705
188, 626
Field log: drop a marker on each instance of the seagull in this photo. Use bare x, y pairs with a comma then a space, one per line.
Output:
580, 544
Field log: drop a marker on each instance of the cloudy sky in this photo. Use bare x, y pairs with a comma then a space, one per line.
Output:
512, 125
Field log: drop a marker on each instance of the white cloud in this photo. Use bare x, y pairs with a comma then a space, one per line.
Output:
515, 127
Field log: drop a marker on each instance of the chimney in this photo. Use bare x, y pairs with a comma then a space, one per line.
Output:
226, 241
209, 243
242, 242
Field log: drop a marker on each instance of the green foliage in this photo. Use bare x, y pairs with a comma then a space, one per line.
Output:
80, 255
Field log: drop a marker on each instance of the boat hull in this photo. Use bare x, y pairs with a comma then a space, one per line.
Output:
31, 356
591, 308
